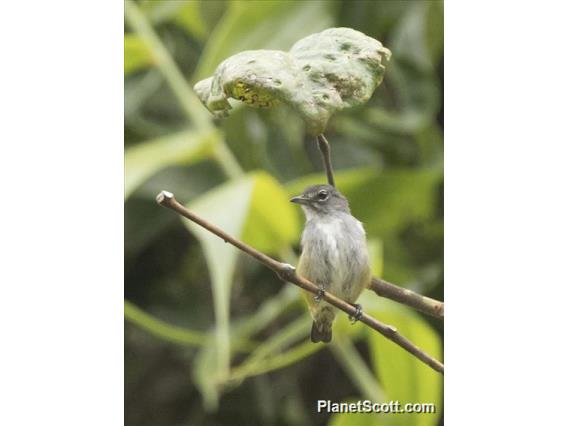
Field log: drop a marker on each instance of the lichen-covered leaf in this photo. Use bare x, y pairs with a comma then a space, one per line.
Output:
321, 74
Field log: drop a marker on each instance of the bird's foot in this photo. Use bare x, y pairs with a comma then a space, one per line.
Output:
319, 296
358, 313
286, 272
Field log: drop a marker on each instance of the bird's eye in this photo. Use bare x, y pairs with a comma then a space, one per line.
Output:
322, 195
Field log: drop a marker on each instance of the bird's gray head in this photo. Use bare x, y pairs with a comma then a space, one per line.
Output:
320, 200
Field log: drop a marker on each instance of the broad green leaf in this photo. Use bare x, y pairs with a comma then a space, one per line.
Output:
272, 223
136, 54
237, 207
321, 74
227, 207
403, 377
251, 25
144, 159
399, 196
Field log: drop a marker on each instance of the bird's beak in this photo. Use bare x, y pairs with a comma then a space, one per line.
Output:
299, 200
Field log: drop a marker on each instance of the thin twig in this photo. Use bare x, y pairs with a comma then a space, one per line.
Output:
287, 273
408, 297
325, 151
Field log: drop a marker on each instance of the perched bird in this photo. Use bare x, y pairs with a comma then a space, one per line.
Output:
334, 254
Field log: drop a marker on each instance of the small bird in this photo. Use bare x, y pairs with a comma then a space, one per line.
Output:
334, 254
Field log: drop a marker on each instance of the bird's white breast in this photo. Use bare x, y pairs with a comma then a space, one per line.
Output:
330, 232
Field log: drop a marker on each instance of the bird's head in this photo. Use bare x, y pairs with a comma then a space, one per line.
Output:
320, 200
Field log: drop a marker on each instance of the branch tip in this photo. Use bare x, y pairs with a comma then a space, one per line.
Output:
164, 196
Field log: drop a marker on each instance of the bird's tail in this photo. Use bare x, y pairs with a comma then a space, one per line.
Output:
321, 332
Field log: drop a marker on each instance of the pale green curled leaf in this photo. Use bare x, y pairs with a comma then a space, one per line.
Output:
321, 74
136, 54
238, 207
144, 159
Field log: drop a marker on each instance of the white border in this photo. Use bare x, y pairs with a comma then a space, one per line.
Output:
61, 310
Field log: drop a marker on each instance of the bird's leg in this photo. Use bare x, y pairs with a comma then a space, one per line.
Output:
321, 291
358, 313
325, 151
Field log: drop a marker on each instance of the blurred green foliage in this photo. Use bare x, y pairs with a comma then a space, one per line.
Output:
214, 338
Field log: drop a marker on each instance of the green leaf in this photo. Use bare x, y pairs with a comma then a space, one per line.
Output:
251, 25
136, 54
409, 38
237, 207
161, 329
189, 18
400, 196
272, 224
321, 74
139, 22
434, 34
185, 13
375, 248
402, 376
356, 368
205, 375
225, 206
258, 360
143, 160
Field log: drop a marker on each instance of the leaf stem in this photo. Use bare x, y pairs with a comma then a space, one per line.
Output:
325, 151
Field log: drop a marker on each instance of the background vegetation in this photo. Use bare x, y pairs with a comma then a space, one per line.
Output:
211, 337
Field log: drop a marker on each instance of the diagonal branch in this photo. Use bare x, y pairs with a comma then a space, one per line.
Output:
287, 273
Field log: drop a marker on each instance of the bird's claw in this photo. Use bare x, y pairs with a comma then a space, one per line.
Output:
358, 313
319, 296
